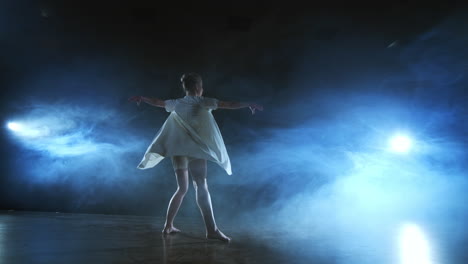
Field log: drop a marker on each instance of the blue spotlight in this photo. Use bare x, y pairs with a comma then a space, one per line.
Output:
28, 130
14, 126
414, 247
400, 143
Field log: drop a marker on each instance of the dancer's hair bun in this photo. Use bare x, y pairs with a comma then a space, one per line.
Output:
189, 81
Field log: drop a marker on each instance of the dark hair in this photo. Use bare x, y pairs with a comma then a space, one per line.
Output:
190, 81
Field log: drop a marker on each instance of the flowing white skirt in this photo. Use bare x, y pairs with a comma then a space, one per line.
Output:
177, 138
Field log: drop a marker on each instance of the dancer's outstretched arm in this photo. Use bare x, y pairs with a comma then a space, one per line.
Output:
152, 101
238, 105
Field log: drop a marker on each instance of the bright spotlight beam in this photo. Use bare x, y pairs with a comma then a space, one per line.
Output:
28, 130
14, 126
400, 144
414, 246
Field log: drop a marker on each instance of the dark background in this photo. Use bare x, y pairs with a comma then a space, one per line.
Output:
336, 81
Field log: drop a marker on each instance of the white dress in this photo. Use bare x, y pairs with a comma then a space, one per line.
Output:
190, 130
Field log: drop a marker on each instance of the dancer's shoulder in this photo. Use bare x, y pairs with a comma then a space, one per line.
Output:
209, 102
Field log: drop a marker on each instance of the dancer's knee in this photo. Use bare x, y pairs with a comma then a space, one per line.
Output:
182, 180
182, 190
200, 183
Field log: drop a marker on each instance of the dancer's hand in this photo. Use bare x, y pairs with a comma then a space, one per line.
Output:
136, 99
254, 107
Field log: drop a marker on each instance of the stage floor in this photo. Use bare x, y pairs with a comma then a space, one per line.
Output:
47, 237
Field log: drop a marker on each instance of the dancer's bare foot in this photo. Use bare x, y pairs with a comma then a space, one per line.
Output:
218, 235
170, 230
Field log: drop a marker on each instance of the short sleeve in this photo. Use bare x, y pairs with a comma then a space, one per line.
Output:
169, 105
210, 103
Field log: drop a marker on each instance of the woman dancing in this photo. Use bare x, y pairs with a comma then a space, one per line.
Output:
190, 136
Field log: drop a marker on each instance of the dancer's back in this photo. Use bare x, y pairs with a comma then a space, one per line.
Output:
195, 110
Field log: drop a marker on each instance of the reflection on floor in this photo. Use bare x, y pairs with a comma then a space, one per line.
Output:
45, 237
40, 237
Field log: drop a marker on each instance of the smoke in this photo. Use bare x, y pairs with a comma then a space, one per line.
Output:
315, 164
83, 145
68, 130
323, 172
334, 184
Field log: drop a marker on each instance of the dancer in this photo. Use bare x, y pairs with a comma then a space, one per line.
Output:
190, 136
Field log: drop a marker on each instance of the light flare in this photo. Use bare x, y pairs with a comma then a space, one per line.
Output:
414, 246
400, 143
14, 126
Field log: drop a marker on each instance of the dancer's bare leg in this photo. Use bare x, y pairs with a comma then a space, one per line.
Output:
176, 201
198, 171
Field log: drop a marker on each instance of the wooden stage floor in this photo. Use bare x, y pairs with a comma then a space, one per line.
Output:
47, 237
